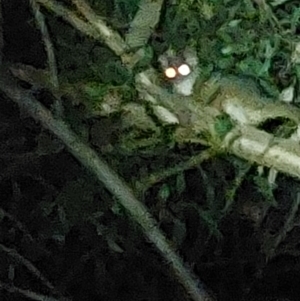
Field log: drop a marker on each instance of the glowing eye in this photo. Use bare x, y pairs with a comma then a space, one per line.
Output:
170, 72
184, 70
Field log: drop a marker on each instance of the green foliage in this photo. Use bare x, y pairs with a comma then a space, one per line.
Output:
236, 37
265, 189
126, 9
223, 125
146, 60
241, 170
180, 183
95, 90
250, 66
102, 8
113, 72
211, 220
80, 59
173, 35
164, 192
295, 19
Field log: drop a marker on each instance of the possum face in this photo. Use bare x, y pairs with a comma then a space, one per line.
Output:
181, 70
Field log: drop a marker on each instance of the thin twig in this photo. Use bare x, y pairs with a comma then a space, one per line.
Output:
144, 184
20, 259
18, 224
26, 234
70, 17
40, 19
287, 227
29, 294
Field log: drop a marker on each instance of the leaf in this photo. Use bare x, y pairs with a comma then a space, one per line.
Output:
180, 183
223, 125
164, 192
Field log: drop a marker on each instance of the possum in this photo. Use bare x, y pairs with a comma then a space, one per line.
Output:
181, 70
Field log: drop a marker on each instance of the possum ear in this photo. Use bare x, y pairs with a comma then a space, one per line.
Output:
189, 73
165, 58
190, 57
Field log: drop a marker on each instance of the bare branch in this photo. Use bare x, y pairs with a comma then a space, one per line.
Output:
111, 38
70, 17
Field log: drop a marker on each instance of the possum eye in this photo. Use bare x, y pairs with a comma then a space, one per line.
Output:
170, 73
184, 70
181, 71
